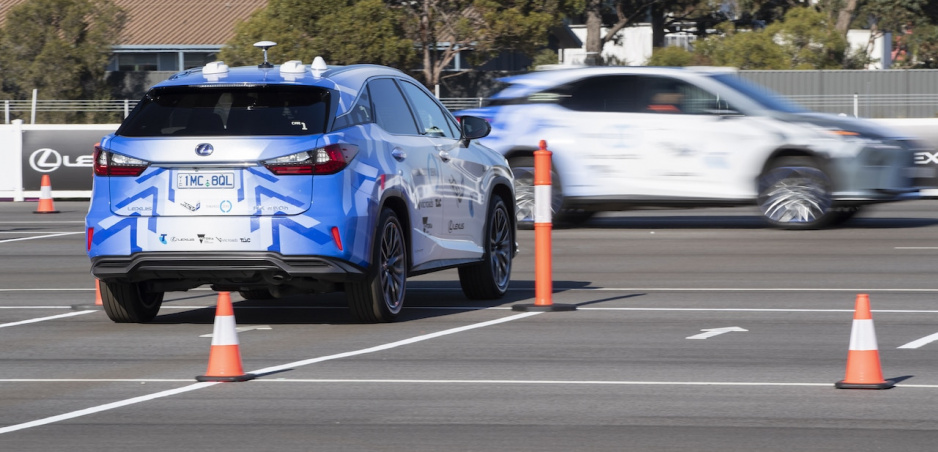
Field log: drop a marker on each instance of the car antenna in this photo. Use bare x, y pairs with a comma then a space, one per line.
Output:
265, 45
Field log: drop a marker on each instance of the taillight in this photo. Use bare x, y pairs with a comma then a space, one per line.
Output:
326, 160
107, 163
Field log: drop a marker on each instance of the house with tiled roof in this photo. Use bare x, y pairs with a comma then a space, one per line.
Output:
171, 35
162, 37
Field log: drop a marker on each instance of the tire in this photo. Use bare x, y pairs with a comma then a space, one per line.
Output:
489, 279
794, 193
523, 170
380, 297
255, 294
129, 302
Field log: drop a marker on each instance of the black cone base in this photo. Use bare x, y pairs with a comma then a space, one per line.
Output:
233, 379
884, 385
543, 307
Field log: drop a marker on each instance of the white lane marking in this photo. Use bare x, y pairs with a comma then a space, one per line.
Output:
462, 382
509, 308
391, 345
591, 289
916, 248
692, 289
921, 342
711, 332
96, 380
241, 329
42, 319
40, 237
569, 382
46, 290
109, 406
295, 364
42, 222
67, 289
39, 232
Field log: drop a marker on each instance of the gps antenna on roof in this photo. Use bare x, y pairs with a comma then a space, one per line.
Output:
318, 66
265, 45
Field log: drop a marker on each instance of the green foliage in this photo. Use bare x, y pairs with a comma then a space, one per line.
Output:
808, 39
341, 31
346, 40
396, 33
744, 50
671, 56
805, 39
917, 49
61, 48
483, 27
543, 58
891, 15
521, 25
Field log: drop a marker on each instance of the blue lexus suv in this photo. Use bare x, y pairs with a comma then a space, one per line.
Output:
275, 180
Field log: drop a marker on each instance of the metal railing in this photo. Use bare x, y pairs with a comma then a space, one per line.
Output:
859, 105
873, 105
863, 105
461, 103
13, 109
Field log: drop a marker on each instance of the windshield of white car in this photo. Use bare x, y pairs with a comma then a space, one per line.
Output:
759, 94
260, 110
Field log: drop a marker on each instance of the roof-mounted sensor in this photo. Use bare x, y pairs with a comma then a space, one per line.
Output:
292, 67
215, 67
265, 45
318, 66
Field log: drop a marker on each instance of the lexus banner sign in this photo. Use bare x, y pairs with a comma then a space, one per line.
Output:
65, 155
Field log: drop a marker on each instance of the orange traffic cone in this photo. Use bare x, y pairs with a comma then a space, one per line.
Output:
97, 293
224, 360
45, 196
863, 368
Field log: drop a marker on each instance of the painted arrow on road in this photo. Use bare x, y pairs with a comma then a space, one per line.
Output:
708, 333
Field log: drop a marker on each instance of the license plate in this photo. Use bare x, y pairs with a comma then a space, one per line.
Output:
204, 180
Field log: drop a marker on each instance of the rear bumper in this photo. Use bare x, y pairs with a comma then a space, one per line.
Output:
222, 267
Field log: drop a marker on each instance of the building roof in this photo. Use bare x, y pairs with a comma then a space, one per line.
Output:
175, 22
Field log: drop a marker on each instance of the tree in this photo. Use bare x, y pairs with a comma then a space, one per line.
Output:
671, 56
809, 40
901, 18
60, 48
805, 39
442, 29
397, 33
743, 50
665, 16
595, 11
341, 31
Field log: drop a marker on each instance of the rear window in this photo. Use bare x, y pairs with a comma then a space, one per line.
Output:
229, 111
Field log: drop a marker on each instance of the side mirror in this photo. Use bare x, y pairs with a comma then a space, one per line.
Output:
472, 128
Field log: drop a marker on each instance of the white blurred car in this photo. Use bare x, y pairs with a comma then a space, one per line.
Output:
630, 137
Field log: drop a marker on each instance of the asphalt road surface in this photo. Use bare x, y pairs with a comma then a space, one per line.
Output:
694, 330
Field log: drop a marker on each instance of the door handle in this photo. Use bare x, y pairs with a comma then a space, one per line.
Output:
398, 154
444, 156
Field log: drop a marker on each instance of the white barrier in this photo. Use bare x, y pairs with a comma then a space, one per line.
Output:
11, 156
63, 152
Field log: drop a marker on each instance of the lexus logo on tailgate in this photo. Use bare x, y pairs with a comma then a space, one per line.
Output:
204, 149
